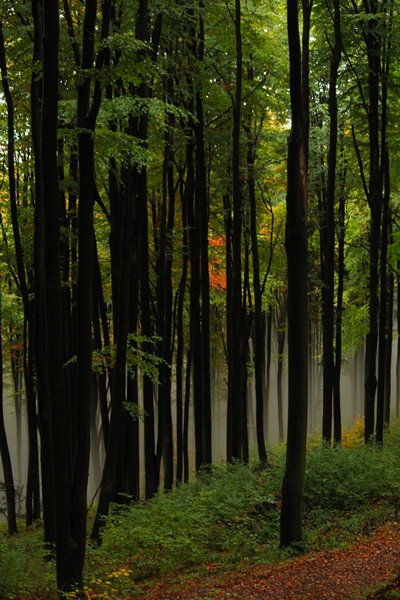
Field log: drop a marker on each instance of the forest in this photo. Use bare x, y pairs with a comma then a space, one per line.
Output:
199, 212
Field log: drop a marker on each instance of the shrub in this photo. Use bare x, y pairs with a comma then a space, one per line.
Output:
24, 568
345, 478
230, 513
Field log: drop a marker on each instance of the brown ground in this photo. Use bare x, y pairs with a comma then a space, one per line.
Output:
345, 574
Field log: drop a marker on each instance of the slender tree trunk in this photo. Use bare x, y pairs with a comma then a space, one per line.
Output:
268, 365
32, 503
385, 302
186, 465
202, 210
116, 440
5, 452
258, 329
339, 310
235, 356
373, 45
281, 334
329, 262
164, 235
385, 319
181, 452
296, 249
38, 283
54, 355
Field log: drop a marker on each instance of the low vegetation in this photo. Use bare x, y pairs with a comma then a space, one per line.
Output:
226, 517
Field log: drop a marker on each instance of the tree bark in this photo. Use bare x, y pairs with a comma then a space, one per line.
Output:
5, 453
296, 250
329, 238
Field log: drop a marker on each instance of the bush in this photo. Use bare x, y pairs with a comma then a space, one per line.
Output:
24, 568
346, 478
232, 510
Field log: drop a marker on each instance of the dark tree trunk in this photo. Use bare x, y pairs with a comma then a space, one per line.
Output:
329, 238
194, 299
281, 335
386, 299
202, 211
387, 405
5, 453
373, 46
185, 444
151, 475
235, 309
296, 249
268, 365
101, 339
32, 504
181, 452
230, 432
38, 283
141, 210
86, 115
196, 206
339, 309
385, 319
398, 346
164, 227
53, 316
258, 328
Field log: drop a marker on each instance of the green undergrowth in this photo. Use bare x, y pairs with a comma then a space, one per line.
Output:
222, 519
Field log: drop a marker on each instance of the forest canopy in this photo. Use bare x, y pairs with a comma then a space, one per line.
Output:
145, 193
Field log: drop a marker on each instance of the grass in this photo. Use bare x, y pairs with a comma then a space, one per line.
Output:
221, 519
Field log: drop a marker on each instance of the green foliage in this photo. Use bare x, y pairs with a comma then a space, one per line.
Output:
228, 514
336, 478
140, 357
223, 516
24, 568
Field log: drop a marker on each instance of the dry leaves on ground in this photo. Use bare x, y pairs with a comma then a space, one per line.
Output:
332, 575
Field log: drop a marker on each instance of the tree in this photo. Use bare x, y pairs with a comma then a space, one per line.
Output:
56, 398
329, 242
5, 454
297, 312
237, 417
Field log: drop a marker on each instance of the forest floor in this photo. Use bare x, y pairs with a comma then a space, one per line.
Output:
355, 572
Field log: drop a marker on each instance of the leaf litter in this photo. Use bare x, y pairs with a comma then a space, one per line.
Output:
349, 573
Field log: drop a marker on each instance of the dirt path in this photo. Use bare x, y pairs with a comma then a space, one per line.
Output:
335, 575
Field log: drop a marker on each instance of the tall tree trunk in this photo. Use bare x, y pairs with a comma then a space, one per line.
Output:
38, 282
196, 200
373, 46
385, 303
202, 211
194, 297
141, 210
329, 262
258, 325
339, 307
53, 316
181, 451
115, 435
296, 249
281, 335
32, 501
164, 227
5, 452
235, 348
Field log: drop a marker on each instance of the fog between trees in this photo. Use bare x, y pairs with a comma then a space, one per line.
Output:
169, 171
